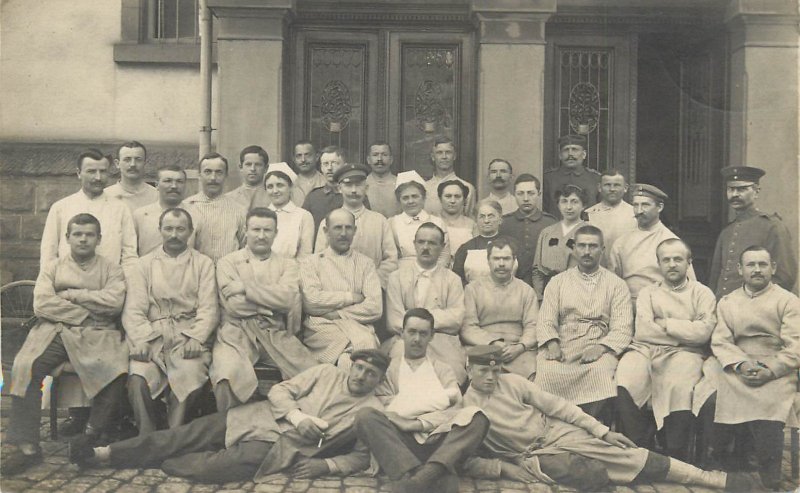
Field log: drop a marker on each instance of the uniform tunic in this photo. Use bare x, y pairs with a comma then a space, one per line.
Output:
116, 225
247, 333
752, 227
320, 201
432, 203
459, 231
220, 224
169, 301
373, 238
441, 293
404, 228
613, 222
662, 366
579, 310
381, 194
506, 312
295, 236
145, 221
525, 229
87, 322
633, 257
145, 195
303, 186
508, 203
527, 422
328, 282
555, 179
763, 326
553, 254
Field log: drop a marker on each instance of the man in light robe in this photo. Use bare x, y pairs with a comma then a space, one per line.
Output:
220, 219
633, 255
373, 235
77, 300
501, 178
381, 180
425, 284
170, 315
171, 188
260, 296
443, 157
612, 214
304, 429
585, 323
304, 158
502, 310
341, 295
132, 189
674, 321
536, 436
253, 161
424, 435
119, 237
756, 348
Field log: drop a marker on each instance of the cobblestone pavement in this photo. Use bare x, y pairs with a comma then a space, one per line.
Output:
56, 474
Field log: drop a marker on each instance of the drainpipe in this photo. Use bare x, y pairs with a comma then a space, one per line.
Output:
205, 78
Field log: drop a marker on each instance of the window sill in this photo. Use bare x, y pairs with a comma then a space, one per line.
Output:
160, 53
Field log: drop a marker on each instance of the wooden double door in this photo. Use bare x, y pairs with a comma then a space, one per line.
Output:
352, 87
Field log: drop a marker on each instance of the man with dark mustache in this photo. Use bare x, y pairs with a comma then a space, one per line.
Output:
171, 188
131, 188
749, 227
381, 180
501, 179
674, 321
571, 171
304, 158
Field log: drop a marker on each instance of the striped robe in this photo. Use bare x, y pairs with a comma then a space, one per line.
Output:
328, 282
579, 310
220, 226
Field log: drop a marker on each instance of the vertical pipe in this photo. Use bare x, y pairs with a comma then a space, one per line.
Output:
205, 78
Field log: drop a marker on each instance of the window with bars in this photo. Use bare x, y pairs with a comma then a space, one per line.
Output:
172, 21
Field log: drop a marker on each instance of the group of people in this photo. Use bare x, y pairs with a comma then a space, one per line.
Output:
411, 322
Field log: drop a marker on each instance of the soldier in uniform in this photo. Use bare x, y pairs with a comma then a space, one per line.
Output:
750, 227
570, 171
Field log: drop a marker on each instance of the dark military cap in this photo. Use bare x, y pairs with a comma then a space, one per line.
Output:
485, 354
572, 139
350, 173
648, 191
742, 173
374, 357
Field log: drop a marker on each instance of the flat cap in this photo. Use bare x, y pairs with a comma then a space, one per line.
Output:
374, 357
572, 139
485, 354
350, 173
283, 168
742, 173
648, 191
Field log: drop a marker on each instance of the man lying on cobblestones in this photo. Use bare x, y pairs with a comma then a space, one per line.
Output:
538, 436
305, 427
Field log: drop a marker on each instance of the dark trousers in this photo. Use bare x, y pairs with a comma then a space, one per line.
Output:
26, 411
398, 452
767, 437
639, 425
600, 410
195, 450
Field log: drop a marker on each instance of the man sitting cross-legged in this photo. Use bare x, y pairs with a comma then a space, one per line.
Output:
304, 427
535, 435
425, 433
77, 300
260, 296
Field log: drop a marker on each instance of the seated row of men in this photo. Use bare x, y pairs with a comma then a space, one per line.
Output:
173, 326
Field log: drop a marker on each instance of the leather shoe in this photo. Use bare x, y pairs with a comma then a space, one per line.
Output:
16, 462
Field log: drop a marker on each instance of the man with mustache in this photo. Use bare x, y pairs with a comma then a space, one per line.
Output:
381, 180
304, 158
131, 188
259, 291
750, 226
77, 300
443, 157
220, 219
170, 314
633, 255
342, 296
426, 284
171, 188
304, 429
502, 310
373, 235
424, 435
612, 214
501, 177
674, 321
585, 322
571, 171
756, 348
